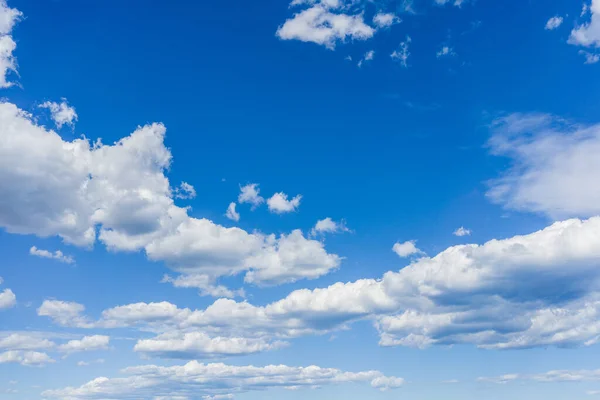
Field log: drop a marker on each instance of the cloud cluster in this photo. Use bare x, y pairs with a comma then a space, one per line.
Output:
31, 348
119, 195
499, 295
195, 380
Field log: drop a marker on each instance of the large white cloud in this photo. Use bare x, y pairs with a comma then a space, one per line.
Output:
215, 381
73, 189
27, 358
87, 343
533, 290
555, 165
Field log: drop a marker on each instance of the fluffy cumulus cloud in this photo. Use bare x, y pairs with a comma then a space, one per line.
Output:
385, 20
279, 203
588, 34
195, 380
462, 231
62, 113
325, 23
250, 193
87, 343
509, 293
7, 298
328, 225
194, 345
185, 191
555, 165
57, 255
119, 195
24, 341
27, 358
406, 249
231, 213
8, 18
554, 23
205, 285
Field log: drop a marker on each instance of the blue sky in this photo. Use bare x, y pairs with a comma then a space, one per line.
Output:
327, 198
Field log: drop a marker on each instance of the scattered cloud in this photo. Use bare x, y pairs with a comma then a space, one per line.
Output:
554, 23
401, 54
279, 203
219, 381
406, 249
231, 213
369, 55
462, 231
7, 299
87, 343
198, 345
319, 24
62, 113
445, 51
27, 358
250, 194
550, 376
328, 225
185, 191
88, 363
385, 20
590, 58
57, 255
205, 284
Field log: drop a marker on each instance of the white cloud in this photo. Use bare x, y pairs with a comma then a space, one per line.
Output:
64, 313
369, 55
385, 20
406, 249
250, 194
27, 358
588, 34
462, 231
555, 165
8, 18
7, 299
550, 376
62, 113
385, 383
450, 381
445, 51
590, 58
185, 191
401, 54
193, 345
279, 203
88, 363
87, 343
218, 381
328, 225
231, 213
320, 25
121, 191
462, 295
24, 341
205, 284
554, 23
456, 3
57, 255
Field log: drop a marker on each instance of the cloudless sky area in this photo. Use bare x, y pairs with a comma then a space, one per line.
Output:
341, 199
